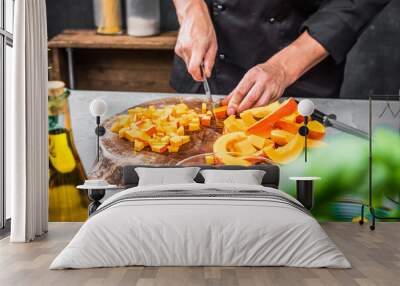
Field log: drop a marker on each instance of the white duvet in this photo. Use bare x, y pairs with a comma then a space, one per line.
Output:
200, 231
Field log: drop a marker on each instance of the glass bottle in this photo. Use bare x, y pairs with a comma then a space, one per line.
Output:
107, 16
66, 203
143, 17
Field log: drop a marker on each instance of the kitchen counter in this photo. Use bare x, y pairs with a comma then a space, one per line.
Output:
352, 112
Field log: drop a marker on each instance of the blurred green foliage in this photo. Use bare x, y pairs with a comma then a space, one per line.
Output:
343, 167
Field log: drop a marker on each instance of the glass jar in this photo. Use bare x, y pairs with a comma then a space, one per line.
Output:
107, 16
143, 17
66, 203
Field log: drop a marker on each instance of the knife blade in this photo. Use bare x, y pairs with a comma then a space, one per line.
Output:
209, 97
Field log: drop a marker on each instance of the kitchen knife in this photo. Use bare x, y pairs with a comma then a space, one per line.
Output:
207, 90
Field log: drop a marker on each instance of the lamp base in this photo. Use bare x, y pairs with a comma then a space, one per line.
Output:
303, 130
100, 131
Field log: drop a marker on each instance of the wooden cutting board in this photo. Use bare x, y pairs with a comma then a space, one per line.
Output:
116, 153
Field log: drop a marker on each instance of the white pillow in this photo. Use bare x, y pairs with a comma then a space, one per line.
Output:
166, 176
248, 177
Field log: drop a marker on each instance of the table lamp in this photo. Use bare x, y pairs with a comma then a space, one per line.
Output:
305, 108
98, 108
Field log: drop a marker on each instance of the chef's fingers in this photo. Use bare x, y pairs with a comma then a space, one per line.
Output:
265, 99
239, 92
209, 59
252, 96
195, 62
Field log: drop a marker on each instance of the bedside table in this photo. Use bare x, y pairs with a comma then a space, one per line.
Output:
95, 194
305, 190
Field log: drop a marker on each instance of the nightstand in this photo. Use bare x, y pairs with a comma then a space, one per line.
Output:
95, 194
305, 190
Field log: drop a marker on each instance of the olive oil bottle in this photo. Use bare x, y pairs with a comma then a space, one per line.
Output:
66, 203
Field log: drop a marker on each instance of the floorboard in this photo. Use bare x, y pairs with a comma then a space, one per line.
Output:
375, 257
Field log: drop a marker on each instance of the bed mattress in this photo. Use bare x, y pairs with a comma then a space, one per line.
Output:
201, 225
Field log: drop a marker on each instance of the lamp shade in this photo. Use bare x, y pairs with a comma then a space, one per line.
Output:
98, 107
305, 107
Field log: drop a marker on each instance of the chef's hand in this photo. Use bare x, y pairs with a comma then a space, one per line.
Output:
265, 83
261, 85
197, 41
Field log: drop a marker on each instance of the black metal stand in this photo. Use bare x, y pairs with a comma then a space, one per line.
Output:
305, 193
100, 131
370, 190
303, 131
95, 196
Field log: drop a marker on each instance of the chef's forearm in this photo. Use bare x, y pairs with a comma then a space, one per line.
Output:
185, 7
299, 57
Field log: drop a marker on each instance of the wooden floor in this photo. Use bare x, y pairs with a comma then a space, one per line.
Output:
375, 257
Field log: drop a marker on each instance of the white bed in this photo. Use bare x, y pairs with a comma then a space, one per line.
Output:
138, 227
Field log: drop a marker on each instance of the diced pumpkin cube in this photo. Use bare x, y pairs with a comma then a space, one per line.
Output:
121, 132
165, 139
206, 120
138, 145
159, 148
149, 112
257, 141
181, 131
150, 130
248, 118
194, 127
195, 120
170, 128
245, 148
176, 140
317, 130
130, 135
133, 134
173, 149
116, 127
203, 107
124, 119
181, 108
209, 159
220, 112
183, 121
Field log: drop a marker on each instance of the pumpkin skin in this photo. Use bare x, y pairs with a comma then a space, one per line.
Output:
264, 126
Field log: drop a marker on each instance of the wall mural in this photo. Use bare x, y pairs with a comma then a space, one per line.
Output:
173, 130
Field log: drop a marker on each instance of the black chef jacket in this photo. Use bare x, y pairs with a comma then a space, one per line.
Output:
249, 32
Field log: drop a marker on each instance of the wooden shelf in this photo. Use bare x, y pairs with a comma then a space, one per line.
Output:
89, 39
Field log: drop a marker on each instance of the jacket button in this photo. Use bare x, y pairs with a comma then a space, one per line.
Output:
220, 7
221, 57
272, 20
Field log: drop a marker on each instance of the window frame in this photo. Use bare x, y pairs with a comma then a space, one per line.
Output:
6, 39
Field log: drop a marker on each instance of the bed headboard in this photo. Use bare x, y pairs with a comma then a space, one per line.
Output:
271, 178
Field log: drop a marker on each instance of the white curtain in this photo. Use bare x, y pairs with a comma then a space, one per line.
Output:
26, 119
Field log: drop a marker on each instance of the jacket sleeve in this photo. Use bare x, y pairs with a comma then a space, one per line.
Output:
337, 24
